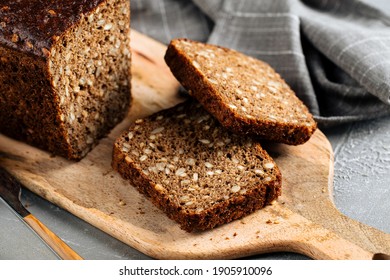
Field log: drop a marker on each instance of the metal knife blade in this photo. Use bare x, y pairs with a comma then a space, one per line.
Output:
10, 191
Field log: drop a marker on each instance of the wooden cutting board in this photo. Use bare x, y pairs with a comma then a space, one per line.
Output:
303, 220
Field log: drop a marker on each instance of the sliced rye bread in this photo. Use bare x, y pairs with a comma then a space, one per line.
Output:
245, 94
195, 170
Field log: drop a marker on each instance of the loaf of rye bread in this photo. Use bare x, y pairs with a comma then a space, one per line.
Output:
193, 169
245, 94
64, 71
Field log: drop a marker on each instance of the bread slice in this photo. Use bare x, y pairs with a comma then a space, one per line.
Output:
193, 169
246, 95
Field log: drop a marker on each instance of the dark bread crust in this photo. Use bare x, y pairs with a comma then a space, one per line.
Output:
212, 96
165, 197
16, 117
38, 24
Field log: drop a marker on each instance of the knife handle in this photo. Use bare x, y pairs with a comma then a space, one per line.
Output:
59, 246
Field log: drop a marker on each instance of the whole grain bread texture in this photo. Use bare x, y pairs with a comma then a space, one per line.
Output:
246, 95
64, 72
193, 169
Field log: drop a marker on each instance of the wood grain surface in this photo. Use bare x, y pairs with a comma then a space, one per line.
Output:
54, 242
303, 220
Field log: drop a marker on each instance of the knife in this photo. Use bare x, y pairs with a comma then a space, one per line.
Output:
10, 191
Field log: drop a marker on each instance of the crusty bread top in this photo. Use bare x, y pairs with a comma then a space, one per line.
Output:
245, 94
191, 166
32, 26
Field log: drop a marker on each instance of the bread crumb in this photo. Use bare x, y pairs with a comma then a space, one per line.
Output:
192, 170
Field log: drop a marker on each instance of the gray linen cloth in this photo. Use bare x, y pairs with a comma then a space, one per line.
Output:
335, 54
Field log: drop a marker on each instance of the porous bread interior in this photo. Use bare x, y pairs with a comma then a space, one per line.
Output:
188, 156
89, 66
249, 87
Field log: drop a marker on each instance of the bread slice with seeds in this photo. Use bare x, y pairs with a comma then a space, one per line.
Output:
245, 94
193, 169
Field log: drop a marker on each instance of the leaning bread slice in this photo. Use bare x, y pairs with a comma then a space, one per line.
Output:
194, 170
246, 95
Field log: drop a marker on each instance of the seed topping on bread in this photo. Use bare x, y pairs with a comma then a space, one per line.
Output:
195, 170
246, 95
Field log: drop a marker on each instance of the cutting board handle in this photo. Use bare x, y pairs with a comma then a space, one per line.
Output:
56, 243
313, 240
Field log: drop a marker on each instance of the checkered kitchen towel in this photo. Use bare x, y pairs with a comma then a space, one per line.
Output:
335, 54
